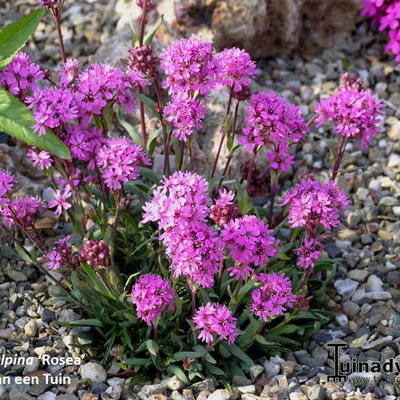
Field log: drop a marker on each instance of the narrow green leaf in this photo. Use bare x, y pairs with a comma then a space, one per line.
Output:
149, 37
152, 346
83, 322
22, 253
243, 199
179, 374
14, 36
150, 174
239, 353
149, 103
16, 120
133, 133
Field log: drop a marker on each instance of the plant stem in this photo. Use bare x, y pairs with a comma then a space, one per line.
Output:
274, 187
57, 18
228, 110
230, 156
193, 301
339, 156
155, 326
191, 153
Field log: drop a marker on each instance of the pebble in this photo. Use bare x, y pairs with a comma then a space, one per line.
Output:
31, 328
255, 371
250, 389
93, 372
220, 394
346, 287
394, 161
271, 369
378, 343
16, 276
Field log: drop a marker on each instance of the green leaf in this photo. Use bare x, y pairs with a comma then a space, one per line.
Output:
243, 199
22, 253
150, 174
152, 346
179, 374
239, 353
133, 133
181, 355
83, 322
14, 36
149, 103
284, 330
16, 120
213, 370
149, 37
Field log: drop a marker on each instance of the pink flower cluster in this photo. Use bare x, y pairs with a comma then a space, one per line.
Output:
224, 209
250, 243
7, 182
313, 204
179, 206
275, 123
40, 158
151, 294
186, 114
61, 255
95, 253
120, 159
353, 110
215, 320
20, 76
387, 14
190, 65
235, 69
274, 296
21, 212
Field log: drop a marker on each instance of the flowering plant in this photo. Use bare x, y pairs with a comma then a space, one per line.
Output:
172, 270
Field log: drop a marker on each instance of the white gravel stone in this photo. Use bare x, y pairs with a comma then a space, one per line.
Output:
94, 372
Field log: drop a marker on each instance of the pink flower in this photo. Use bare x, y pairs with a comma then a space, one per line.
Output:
61, 200
308, 253
180, 199
61, 255
52, 108
249, 240
120, 160
42, 159
195, 251
186, 114
68, 73
150, 296
21, 212
7, 181
235, 69
84, 143
274, 297
313, 204
224, 209
19, 77
95, 253
215, 320
353, 111
275, 123
190, 65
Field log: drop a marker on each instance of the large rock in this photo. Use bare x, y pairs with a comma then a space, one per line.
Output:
262, 27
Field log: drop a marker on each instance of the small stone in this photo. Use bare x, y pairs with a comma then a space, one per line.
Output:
394, 161
6, 333
31, 328
271, 369
68, 315
206, 384
220, 394
350, 308
288, 367
297, 396
16, 276
8, 252
348, 234
94, 372
342, 319
16, 394
317, 393
175, 383
374, 283
394, 131
48, 315
47, 396
358, 275
304, 358
388, 201
346, 287
31, 367
247, 389
255, 371
155, 389
379, 295
378, 343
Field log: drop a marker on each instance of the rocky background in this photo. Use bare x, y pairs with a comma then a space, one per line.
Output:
312, 42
